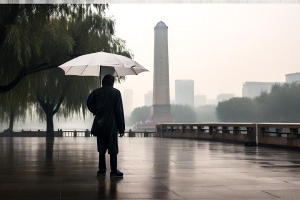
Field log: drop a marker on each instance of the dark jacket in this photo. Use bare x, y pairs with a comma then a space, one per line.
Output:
106, 104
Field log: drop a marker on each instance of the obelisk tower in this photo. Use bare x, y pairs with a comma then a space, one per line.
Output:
161, 107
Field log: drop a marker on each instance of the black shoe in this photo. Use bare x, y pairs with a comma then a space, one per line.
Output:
116, 173
101, 173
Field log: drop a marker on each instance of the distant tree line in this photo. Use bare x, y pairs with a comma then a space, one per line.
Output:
282, 105
182, 114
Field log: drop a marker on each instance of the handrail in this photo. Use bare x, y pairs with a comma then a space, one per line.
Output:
268, 134
71, 133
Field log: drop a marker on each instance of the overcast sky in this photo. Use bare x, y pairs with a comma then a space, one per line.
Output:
218, 46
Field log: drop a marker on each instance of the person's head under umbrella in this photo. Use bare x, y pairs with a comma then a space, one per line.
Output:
108, 80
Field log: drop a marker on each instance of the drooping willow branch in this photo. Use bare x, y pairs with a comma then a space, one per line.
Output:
25, 72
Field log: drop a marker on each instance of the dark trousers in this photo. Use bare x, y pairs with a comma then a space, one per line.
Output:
102, 163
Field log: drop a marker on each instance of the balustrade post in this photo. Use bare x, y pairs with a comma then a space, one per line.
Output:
278, 132
236, 130
145, 133
213, 131
293, 133
263, 132
250, 137
210, 129
224, 129
75, 133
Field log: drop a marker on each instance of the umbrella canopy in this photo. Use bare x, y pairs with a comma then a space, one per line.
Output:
100, 64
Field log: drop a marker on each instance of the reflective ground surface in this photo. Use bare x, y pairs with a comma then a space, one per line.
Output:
31, 168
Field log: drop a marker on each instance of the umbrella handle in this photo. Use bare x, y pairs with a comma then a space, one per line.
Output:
100, 76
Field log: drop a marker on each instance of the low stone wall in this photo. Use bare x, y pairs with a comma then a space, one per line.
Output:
227, 132
264, 134
74, 133
280, 135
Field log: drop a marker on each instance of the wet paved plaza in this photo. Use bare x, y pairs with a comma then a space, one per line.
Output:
153, 168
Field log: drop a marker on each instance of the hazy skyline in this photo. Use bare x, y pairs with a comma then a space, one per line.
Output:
218, 46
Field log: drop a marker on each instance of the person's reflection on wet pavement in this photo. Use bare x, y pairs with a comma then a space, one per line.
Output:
107, 187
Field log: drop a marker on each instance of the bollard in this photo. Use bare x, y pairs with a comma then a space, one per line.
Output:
87, 133
145, 133
250, 137
130, 133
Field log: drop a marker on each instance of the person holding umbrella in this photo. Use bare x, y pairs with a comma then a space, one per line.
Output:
106, 105
105, 102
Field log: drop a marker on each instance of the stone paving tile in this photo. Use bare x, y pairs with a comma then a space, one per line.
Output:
285, 193
154, 169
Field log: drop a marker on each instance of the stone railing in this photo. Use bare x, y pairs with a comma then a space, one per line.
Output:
227, 132
264, 134
75, 133
279, 134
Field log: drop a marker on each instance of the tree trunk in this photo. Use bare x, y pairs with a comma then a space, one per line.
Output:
11, 123
50, 126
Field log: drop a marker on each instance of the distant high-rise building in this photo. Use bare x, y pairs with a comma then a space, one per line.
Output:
184, 92
128, 102
294, 77
200, 100
224, 97
253, 89
148, 98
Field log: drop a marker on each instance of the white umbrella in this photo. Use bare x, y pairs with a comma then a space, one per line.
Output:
102, 63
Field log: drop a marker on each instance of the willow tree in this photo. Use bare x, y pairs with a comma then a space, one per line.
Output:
34, 38
15, 106
79, 34
22, 29
56, 93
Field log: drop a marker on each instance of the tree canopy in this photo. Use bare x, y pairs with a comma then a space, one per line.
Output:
43, 37
182, 114
280, 105
22, 37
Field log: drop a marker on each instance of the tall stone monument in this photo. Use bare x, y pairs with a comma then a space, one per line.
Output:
160, 112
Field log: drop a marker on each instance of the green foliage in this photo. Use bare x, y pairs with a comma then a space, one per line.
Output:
280, 105
206, 113
51, 34
140, 114
183, 114
236, 110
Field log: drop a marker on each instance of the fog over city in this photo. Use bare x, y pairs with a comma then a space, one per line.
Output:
218, 46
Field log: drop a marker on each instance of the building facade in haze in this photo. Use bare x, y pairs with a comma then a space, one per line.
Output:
294, 77
184, 92
254, 89
224, 97
211, 101
128, 102
148, 98
200, 100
